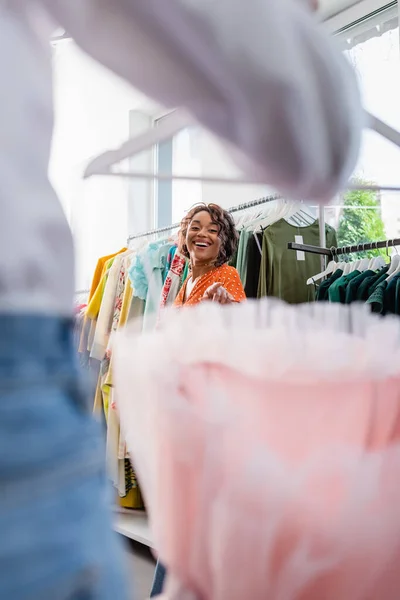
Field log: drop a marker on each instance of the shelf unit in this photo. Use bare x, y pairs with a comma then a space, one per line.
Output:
133, 524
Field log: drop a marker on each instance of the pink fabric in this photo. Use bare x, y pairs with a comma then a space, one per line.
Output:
299, 530
268, 450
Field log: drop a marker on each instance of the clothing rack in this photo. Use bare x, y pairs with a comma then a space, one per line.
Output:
332, 252
244, 206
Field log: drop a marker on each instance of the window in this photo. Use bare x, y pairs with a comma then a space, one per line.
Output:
179, 156
372, 47
194, 152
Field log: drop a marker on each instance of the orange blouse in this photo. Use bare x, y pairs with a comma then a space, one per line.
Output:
225, 275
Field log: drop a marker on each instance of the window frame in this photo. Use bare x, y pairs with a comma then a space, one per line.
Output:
358, 13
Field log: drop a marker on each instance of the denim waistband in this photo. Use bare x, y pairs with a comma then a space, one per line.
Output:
35, 345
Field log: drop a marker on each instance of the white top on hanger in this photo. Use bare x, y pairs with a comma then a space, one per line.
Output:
249, 72
103, 164
289, 112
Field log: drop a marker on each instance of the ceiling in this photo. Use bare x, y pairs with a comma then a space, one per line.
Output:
328, 8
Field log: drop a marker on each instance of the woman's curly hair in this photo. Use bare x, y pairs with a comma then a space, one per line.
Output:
227, 231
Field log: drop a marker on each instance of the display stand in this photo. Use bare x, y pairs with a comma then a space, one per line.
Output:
133, 524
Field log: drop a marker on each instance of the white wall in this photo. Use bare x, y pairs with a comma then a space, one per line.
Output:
216, 162
92, 109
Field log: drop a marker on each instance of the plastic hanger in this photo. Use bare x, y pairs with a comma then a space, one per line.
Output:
377, 262
331, 267
281, 210
347, 268
362, 263
395, 260
341, 264
178, 120
397, 268
355, 265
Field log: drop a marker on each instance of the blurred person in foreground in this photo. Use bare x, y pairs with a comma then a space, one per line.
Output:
261, 75
208, 238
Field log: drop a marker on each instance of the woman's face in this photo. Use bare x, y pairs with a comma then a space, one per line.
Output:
202, 238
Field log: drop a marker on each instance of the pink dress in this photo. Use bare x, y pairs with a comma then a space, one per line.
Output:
268, 450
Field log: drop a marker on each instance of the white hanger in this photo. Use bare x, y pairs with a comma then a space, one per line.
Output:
331, 268
179, 119
279, 210
347, 268
376, 262
167, 128
361, 264
394, 262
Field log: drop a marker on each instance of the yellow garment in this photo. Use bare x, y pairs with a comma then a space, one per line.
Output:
133, 499
94, 305
98, 272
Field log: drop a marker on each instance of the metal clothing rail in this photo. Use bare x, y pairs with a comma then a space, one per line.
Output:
244, 206
332, 252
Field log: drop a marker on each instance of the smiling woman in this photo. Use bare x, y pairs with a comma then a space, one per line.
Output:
208, 237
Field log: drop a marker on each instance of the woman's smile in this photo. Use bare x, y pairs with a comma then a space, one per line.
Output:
202, 239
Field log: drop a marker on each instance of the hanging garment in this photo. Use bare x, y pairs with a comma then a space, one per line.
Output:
375, 288
254, 252
173, 282
170, 258
241, 259
283, 272
225, 275
95, 296
146, 274
337, 290
368, 286
306, 481
189, 57
106, 312
377, 299
354, 285
391, 296
323, 290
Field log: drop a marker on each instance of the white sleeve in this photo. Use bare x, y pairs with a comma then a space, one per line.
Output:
261, 74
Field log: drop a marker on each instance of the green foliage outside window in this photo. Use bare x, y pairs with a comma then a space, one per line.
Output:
358, 225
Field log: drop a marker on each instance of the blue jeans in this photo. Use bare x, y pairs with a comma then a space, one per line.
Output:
56, 538
159, 579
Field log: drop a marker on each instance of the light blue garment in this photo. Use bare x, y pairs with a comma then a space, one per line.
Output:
138, 278
170, 258
56, 539
147, 277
